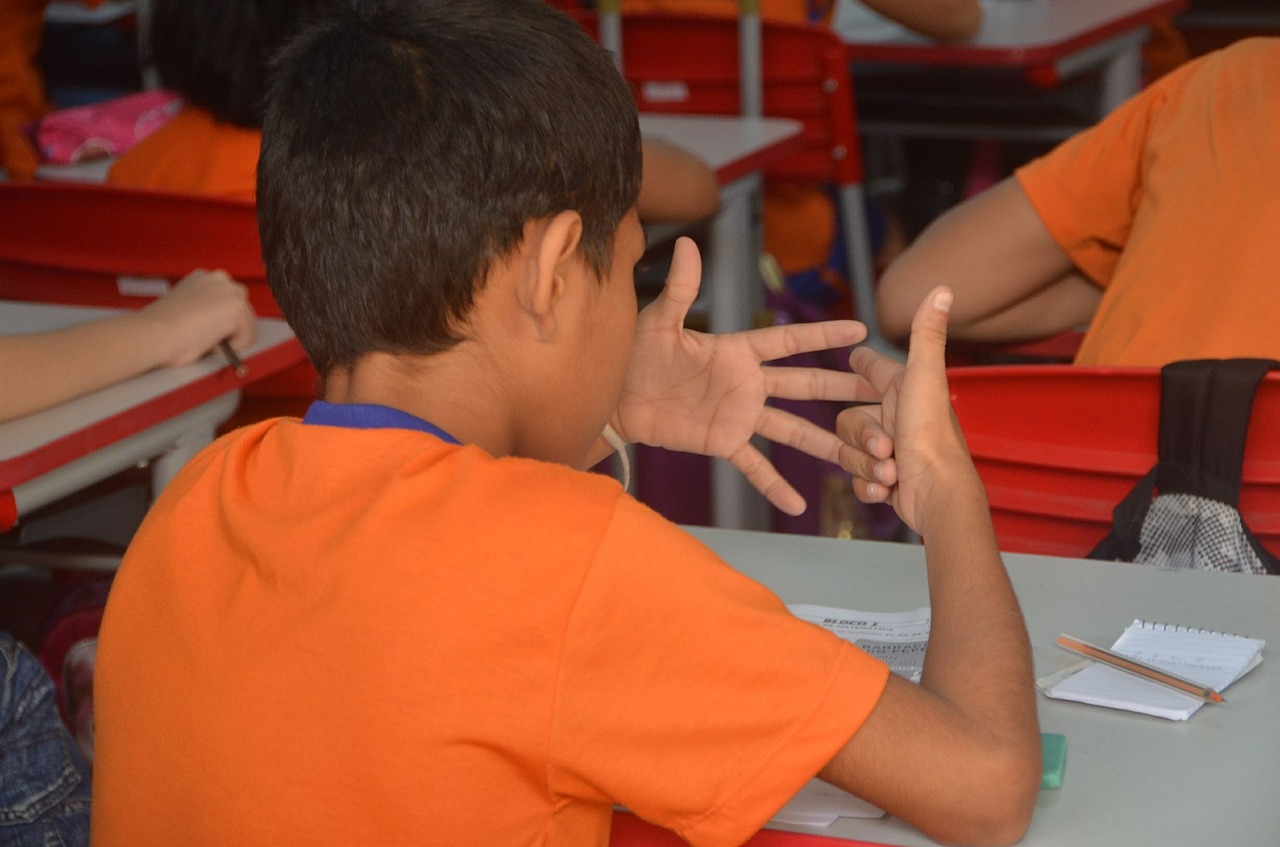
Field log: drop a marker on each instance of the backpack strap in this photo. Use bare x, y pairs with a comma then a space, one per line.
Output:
1205, 406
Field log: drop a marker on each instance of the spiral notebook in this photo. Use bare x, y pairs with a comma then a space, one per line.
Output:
1215, 659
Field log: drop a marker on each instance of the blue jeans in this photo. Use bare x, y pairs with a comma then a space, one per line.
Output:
44, 782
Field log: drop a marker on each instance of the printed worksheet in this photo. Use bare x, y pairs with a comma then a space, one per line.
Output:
896, 638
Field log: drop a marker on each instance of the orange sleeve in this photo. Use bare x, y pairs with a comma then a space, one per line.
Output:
22, 97
1087, 189
727, 703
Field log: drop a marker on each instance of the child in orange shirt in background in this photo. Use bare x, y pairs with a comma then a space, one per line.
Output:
411, 617
216, 53
1154, 228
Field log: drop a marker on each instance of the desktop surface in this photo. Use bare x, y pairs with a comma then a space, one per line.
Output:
1129, 779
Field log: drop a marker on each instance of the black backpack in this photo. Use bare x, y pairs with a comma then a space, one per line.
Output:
1194, 520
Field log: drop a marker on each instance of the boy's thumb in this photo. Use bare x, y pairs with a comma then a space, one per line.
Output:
929, 328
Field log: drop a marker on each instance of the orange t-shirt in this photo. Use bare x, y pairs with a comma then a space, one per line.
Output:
324, 635
1170, 205
193, 153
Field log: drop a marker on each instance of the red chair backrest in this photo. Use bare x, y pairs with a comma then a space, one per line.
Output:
1058, 446
96, 245
688, 64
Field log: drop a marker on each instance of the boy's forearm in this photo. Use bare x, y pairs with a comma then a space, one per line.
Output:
979, 656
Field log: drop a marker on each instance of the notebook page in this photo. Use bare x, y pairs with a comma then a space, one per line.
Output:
1210, 658
1216, 659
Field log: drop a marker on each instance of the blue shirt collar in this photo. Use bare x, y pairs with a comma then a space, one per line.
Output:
370, 416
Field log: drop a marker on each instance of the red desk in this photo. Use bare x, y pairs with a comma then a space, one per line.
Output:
166, 415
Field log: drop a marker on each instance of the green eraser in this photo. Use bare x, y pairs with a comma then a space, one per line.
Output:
1053, 752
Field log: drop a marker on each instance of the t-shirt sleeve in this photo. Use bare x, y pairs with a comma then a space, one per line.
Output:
1088, 189
689, 693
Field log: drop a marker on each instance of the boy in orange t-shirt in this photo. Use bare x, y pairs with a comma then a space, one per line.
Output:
411, 618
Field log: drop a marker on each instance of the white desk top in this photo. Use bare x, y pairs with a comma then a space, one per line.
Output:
37, 444
1130, 779
1034, 30
733, 146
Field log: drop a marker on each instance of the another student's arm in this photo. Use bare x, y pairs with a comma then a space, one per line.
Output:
945, 20
43, 369
677, 187
1012, 281
957, 756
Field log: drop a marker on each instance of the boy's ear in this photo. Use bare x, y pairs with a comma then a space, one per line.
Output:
554, 261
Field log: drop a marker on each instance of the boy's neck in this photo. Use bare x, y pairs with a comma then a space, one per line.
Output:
451, 391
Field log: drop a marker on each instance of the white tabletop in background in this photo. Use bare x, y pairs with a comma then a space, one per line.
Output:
724, 143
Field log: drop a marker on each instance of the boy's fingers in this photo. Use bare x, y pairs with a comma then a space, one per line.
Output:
681, 287
876, 368
929, 330
764, 477
796, 432
817, 384
776, 342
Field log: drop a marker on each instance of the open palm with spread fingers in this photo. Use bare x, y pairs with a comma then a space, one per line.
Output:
702, 393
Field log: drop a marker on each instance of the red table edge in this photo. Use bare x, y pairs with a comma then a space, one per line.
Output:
631, 831
27, 466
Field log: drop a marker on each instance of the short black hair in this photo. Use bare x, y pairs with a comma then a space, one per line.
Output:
406, 145
215, 52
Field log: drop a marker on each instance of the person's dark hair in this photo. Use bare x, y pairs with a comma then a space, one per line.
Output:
406, 145
215, 52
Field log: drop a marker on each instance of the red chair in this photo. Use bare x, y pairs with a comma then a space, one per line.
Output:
1058, 446
689, 64
95, 245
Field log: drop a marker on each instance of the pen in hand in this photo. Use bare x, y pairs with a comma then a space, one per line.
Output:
233, 359
1142, 669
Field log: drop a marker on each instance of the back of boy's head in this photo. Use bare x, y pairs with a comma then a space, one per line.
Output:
215, 52
406, 145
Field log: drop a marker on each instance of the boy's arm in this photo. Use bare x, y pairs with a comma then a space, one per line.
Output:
677, 186
44, 369
959, 755
945, 20
1012, 281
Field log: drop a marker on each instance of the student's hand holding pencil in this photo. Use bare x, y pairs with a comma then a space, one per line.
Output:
204, 310
703, 393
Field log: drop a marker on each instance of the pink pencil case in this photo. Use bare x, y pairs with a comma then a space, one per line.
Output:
102, 129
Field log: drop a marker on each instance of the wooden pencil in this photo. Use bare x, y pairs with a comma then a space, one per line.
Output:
1142, 669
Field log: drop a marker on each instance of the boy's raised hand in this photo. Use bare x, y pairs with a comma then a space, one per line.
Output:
702, 393
908, 445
